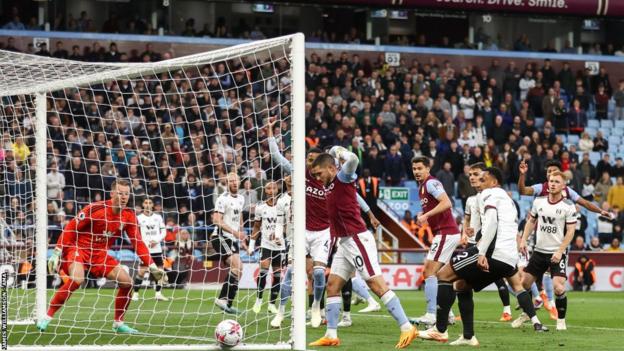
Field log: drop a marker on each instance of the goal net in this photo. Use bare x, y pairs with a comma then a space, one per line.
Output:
174, 130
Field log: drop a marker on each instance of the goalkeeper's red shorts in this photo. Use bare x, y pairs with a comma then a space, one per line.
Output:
99, 264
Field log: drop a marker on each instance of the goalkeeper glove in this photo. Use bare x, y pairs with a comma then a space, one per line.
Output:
156, 272
55, 260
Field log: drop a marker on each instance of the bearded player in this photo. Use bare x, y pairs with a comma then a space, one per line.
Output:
436, 207
83, 246
318, 237
357, 249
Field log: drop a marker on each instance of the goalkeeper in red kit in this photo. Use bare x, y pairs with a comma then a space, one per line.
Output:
83, 247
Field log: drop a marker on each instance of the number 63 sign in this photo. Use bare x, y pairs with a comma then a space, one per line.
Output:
393, 58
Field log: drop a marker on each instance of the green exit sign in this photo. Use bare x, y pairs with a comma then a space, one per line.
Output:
395, 193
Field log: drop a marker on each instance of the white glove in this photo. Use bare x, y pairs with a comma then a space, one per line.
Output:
338, 151
54, 261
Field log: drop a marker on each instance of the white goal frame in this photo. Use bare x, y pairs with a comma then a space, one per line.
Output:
39, 84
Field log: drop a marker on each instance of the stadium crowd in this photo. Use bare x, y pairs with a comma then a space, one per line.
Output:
134, 24
177, 136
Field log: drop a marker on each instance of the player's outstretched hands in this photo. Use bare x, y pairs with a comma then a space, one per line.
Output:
524, 167
156, 272
54, 261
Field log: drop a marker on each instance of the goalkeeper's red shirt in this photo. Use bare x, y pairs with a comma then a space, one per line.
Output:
96, 228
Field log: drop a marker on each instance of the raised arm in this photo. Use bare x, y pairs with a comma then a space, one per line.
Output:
522, 188
276, 156
349, 162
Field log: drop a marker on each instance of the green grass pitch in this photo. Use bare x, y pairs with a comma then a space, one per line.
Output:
595, 322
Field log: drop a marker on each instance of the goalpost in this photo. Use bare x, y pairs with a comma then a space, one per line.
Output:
174, 129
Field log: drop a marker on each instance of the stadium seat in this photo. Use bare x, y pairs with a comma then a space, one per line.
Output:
573, 139
619, 124
594, 157
539, 122
614, 140
563, 137
605, 123
591, 131
605, 131
593, 123
617, 131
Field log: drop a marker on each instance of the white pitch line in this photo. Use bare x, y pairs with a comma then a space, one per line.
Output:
368, 315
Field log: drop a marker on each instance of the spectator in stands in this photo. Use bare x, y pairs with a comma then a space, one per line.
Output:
585, 143
394, 167
600, 143
182, 256
464, 189
618, 169
603, 186
587, 168
55, 182
604, 165
409, 223
605, 225
15, 23
578, 244
447, 178
594, 244
560, 117
614, 246
601, 99
584, 275
368, 186
21, 151
549, 102
618, 96
577, 119
615, 196
60, 52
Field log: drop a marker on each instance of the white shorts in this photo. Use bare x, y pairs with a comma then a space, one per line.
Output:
442, 247
356, 253
317, 245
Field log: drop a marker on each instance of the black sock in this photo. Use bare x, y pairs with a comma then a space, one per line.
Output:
503, 291
323, 299
275, 287
525, 301
233, 288
346, 296
137, 283
466, 310
561, 301
310, 300
446, 298
262, 281
158, 287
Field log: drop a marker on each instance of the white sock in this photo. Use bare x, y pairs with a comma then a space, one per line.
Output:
406, 327
316, 304
507, 309
47, 318
331, 333
371, 301
535, 320
346, 314
282, 309
117, 324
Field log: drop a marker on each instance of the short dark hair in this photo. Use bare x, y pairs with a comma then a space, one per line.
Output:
421, 159
496, 173
478, 165
324, 160
122, 182
553, 163
315, 150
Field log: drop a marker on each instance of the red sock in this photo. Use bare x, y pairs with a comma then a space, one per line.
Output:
121, 303
61, 296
